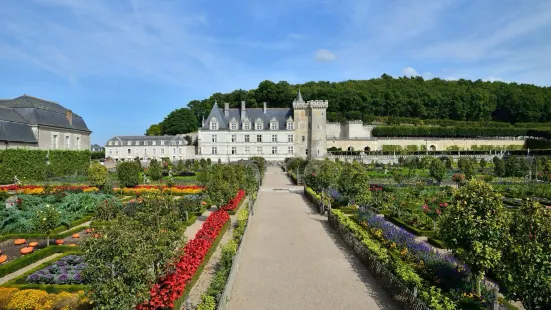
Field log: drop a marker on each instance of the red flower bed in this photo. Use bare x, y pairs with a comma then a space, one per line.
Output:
234, 202
174, 186
169, 288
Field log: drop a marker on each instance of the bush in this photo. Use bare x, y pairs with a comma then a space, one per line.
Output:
31, 164
155, 170
128, 173
97, 173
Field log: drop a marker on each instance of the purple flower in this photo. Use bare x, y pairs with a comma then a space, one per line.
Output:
61, 279
33, 278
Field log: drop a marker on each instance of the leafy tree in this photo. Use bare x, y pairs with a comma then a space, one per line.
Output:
483, 164
398, 176
327, 174
475, 226
219, 187
154, 130
180, 121
499, 167
155, 170
437, 170
97, 173
46, 220
466, 166
360, 192
346, 182
180, 166
526, 262
128, 173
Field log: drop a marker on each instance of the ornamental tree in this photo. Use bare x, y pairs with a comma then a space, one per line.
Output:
526, 262
328, 174
437, 170
219, 187
345, 181
97, 173
155, 170
46, 219
360, 192
475, 226
128, 173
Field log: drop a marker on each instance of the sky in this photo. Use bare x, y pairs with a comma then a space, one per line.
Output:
125, 64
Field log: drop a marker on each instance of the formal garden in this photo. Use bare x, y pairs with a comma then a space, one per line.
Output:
133, 239
456, 235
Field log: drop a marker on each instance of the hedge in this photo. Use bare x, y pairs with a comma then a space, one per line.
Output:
534, 144
411, 229
26, 260
31, 164
449, 132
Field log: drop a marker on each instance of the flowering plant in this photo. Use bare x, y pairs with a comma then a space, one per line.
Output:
234, 202
64, 271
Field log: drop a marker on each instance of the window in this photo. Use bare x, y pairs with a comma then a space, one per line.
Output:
247, 150
290, 138
273, 125
213, 124
233, 138
233, 126
214, 150
258, 126
153, 142
290, 150
303, 138
274, 150
172, 142
179, 142
78, 143
247, 126
54, 142
110, 142
137, 151
110, 152
162, 150
117, 152
129, 151
180, 150
214, 138
274, 138
129, 143
116, 142
145, 143
137, 142
173, 157
233, 150
259, 150
247, 138
290, 126
154, 151
173, 150
67, 142
306, 151
258, 138
162, 142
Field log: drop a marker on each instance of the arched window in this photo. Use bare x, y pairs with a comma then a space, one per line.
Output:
432, 148
367, 149
350, 149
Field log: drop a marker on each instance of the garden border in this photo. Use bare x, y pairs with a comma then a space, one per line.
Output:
414, 230
58, 232
32, 258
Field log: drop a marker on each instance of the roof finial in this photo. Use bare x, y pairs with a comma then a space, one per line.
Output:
203, 121
299, 95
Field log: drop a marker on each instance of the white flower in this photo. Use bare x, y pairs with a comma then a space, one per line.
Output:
44, 219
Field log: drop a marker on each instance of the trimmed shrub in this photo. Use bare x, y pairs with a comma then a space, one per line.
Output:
128, 173
97, 173
155, 170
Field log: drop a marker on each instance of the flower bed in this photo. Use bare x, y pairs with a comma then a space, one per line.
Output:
67, 270
177, 190
234, 202
171, 287
15, 299
40, 190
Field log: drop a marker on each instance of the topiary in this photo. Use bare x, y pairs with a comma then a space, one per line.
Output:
97, 174
128, 173
155, 170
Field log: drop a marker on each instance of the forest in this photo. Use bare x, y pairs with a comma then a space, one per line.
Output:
403, 97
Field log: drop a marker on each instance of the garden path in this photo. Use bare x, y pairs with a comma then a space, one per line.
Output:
192, 230
292, 259
21, 271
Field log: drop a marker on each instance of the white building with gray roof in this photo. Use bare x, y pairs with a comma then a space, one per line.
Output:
175, 148
30, 122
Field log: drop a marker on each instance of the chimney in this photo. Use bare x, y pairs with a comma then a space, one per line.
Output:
69, 116
242, 109
264, 107
226, 109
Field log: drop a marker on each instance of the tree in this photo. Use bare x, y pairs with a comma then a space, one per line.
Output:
475, 227
97, 173
466, 166
155, 170
128, 173
180, 121
526, 262
499, 167
180, 166
437, 170
327, 174
219, 187
46, 220
154, 130
360, 192
346, 182
482, 164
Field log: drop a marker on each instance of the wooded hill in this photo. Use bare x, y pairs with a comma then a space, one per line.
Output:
461, 100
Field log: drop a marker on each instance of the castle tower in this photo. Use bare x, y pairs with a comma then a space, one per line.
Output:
302, 135
318, 126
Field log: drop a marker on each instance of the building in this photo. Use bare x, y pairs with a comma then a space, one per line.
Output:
273, 133
147, 147
29, 122
97, 148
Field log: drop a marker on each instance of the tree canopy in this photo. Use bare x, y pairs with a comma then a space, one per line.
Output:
400, 97
179, 121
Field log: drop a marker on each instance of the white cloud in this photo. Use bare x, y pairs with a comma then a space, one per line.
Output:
409, 72
324, 55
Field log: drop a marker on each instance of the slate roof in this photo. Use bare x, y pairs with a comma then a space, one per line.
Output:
38, 111
280, 114
16, 132
125, 139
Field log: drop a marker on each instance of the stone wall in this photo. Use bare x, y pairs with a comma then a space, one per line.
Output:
46, 141
436, 144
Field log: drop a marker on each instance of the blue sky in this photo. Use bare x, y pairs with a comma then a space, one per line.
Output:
125, 64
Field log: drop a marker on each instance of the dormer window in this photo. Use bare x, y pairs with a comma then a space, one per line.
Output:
179, 142
137, 142
116, 142
153, 142
233, 124
290, 125
110, 142
273, 124
129, 143
213, 124
258, 124
246, 124
145, 143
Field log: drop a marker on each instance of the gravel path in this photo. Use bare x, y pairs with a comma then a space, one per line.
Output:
292, 259
21, 271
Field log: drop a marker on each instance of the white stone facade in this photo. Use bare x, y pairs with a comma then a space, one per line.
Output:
149, 147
